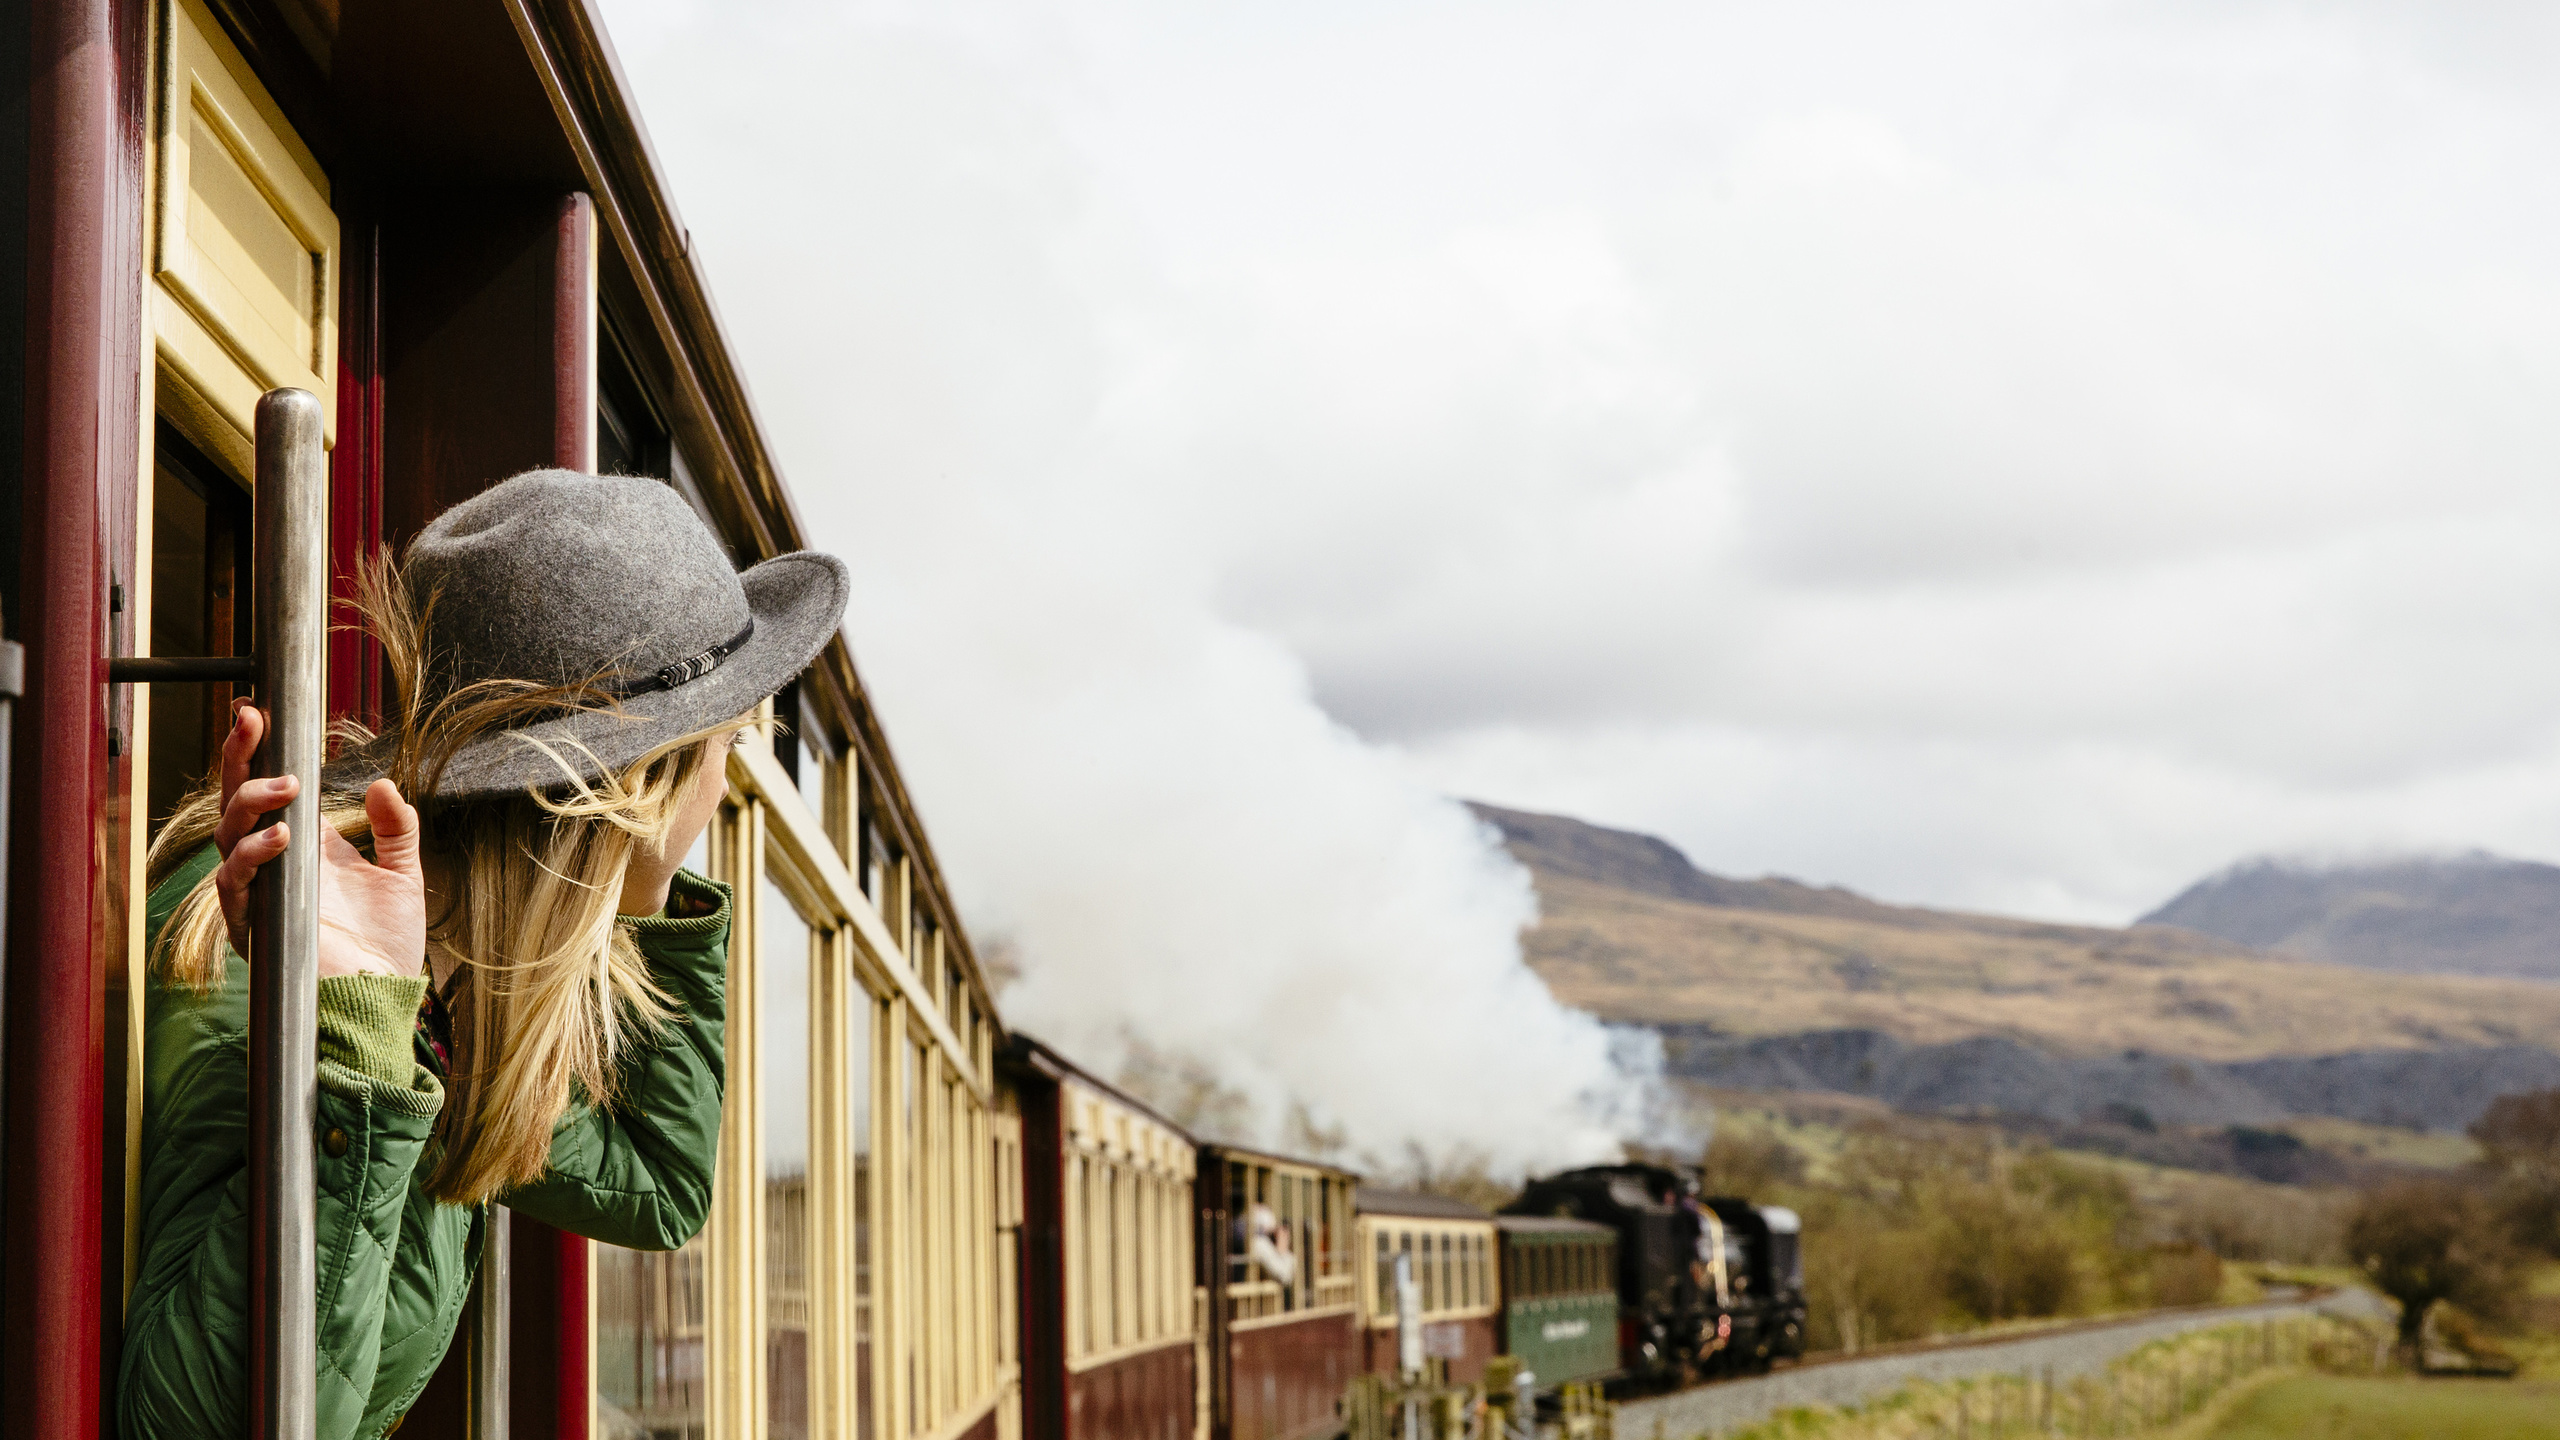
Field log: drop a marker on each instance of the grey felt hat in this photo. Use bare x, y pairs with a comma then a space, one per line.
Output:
559, 578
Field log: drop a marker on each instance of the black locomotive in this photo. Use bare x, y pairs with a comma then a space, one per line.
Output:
1707, 1285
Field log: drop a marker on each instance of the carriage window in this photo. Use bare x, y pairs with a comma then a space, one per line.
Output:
911, 1177
651, 1311
867, 1030
649, 1331
871, 857
805, 748
199, 527
1386, 1301
783, 952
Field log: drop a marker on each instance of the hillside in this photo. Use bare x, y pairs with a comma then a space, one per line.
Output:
2471, 914
2136, 1090
1632, 932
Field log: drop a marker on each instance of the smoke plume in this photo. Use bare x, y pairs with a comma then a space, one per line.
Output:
959, 354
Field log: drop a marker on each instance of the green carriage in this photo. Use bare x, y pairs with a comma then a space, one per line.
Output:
1559, 1297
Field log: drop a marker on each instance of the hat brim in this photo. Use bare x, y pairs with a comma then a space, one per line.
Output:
798, 602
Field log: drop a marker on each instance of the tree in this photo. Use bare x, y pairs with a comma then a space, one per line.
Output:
2428, 1240
2519, 1139
1749, 1163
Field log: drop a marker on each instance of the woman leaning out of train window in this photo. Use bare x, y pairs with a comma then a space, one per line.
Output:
520, 994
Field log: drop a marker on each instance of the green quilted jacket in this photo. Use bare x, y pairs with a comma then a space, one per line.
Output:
394, 1265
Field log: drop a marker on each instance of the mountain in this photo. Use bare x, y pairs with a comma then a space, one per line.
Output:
2471, 914
2440, 1089
1631, 931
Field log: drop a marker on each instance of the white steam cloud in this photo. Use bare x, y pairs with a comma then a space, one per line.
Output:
1143, 798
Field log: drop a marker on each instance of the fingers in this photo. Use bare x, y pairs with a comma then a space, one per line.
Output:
248, 727
395, 828
239, 867
249, 800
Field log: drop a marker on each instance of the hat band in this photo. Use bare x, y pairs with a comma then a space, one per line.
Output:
691, 668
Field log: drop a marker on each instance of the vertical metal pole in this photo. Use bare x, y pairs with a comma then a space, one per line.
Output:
491, 1331
292, 555
13, 683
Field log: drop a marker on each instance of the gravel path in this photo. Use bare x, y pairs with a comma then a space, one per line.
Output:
2069, 1352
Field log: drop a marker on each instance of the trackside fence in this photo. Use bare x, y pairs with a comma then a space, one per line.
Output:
2145, 1393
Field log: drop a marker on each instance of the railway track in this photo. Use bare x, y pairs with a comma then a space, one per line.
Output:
2080, 1348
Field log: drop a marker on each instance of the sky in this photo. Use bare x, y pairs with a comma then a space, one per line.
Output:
2018, 457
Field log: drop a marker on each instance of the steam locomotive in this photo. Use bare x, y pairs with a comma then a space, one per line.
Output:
1707, 1285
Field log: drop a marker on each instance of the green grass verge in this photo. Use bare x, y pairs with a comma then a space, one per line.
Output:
2327, 1407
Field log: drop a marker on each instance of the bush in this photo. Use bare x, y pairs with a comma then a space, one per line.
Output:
1870, 1281
2519, 1139
2001, 1255
2185, 1275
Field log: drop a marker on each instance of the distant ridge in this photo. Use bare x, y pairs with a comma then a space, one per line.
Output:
2475, 914
1995, 1075
1561, 847
1649, 865
1632, 932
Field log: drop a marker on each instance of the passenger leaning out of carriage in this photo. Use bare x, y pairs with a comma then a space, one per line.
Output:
520, 993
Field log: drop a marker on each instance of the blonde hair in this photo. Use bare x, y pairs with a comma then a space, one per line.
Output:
553, 983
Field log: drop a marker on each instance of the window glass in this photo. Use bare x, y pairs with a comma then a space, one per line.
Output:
816, 774
952, 1136
1077, 1285
199, 525
1386, 1281
784, 943
648, 1336
870, 1019
911, 1171
1113, 1251
649, 1316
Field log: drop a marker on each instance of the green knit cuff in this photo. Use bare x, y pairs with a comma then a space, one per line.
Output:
697, 892
369, 1024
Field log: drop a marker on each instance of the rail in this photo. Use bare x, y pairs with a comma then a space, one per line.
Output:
13, 683
291, 550
288, 665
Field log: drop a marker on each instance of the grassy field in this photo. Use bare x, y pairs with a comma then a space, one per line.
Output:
2426, 1150
2327, 1407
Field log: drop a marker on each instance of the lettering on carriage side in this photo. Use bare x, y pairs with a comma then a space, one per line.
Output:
1564, 1330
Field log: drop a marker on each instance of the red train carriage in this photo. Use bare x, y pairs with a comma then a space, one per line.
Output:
1447, 1249
1284, 1318
1111, 1336
441, 218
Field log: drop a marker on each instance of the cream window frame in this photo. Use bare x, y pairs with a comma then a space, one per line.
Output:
1128, 1237
223, 334
933, 1249
1470, 1273
1328, 1279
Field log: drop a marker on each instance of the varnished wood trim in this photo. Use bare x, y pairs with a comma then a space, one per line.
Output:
1294, 1317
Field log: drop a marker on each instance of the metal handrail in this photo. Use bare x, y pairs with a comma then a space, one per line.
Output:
180, 670
291, 550
13, 683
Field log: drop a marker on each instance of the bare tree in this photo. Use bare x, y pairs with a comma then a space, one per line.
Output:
2431, 1240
